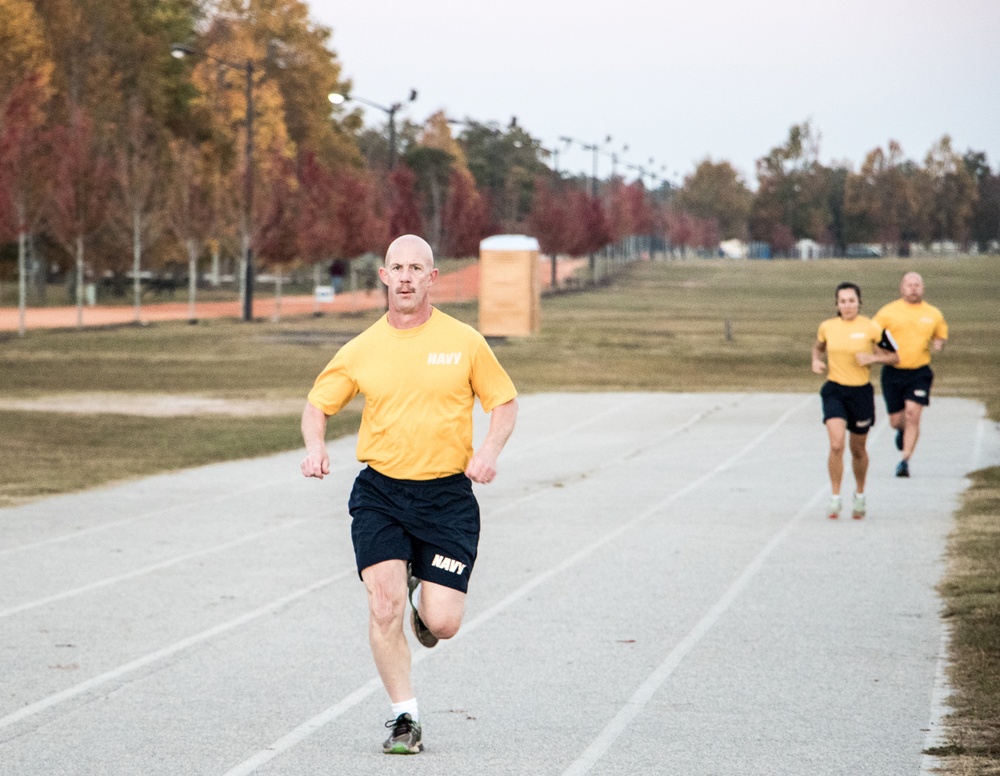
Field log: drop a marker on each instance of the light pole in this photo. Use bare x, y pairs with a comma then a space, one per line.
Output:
595, 148
180, 51
338, 98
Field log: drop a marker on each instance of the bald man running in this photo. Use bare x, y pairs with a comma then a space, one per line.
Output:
918, 328
415, 519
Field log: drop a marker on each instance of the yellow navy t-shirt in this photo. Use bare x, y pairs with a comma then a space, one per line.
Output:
913, 326
843, 340
419, 386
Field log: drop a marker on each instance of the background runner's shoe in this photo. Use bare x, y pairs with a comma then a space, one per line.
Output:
405, 736
421, 631
833, 509
899, 439
903, 470
858, 509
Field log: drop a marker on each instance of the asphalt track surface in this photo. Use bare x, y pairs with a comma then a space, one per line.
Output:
658, 591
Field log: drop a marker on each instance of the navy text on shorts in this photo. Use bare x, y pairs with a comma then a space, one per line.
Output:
902, 385
434, 524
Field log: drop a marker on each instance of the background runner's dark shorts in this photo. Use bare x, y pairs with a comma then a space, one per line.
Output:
432, 523
853, 403
902, 385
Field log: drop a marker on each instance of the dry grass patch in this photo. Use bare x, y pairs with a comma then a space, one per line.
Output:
972, 598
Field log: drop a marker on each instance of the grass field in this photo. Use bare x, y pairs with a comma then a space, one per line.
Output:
663, 326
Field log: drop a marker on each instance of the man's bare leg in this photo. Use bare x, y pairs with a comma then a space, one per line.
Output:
386, 584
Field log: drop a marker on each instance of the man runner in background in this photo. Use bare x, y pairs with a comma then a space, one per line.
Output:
918, 328
415, 520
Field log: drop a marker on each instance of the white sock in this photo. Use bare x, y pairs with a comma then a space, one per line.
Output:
415, 597
406, 707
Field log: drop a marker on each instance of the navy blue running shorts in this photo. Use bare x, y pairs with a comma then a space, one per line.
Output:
853, 403
902, 385
434, 524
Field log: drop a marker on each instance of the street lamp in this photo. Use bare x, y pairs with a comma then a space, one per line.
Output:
338, 98
595, 148
180, 51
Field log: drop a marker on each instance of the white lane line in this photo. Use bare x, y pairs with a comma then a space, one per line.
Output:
936, 726
165, 652
284, 480
146, 569
183, 506
634, 705
625, 457
307, 728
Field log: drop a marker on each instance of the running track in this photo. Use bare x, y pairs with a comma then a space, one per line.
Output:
657, 592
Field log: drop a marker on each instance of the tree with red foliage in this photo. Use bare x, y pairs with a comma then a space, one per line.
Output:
680, 228
317, 232
589, 225
619, 215
707, 234
81, 188
549, 222
24, 168
639, 209
276, 227
404, 205
363, 227
465, 218
277, 215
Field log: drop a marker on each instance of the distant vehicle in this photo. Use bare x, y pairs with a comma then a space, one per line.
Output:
863, 252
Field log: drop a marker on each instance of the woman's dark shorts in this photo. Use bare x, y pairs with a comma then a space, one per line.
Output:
434, 524
853, 403
902, 385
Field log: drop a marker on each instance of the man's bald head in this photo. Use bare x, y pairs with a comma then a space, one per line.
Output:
410, 246
911, 287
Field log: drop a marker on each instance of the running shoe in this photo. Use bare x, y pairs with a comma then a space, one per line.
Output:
421, 631
858, 510
899, 439
405, 736
833, 510
903, 469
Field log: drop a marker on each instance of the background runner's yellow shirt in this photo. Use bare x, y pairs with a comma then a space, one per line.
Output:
843, 339
913, 326
419, 386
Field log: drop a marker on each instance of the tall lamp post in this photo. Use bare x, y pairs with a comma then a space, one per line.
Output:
595, 149
180, 51
338, 98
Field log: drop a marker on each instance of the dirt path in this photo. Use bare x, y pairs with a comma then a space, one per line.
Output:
157, 405
460, 286
451, 287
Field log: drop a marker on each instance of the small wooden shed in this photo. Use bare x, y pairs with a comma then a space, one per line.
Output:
510, 291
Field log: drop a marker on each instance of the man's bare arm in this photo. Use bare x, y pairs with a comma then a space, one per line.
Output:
317, 461
483, 464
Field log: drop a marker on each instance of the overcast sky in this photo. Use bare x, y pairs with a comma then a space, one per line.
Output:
681, 81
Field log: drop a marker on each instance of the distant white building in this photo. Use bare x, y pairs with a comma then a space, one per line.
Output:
807, 249
733, 249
